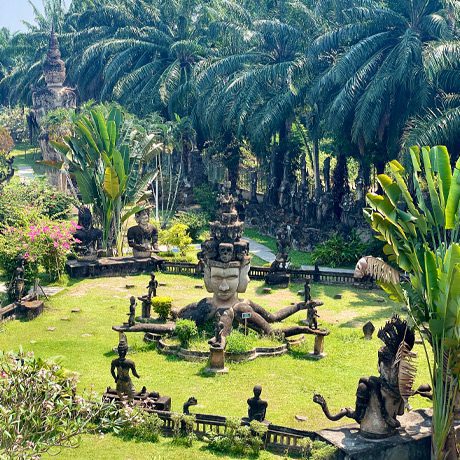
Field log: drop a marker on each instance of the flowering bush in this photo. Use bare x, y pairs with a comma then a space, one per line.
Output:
46, 244
40, 410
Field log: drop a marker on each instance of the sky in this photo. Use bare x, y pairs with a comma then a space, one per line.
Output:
12, 12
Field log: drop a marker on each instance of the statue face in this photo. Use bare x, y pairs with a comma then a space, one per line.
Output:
224, 282
225, 252
142, 218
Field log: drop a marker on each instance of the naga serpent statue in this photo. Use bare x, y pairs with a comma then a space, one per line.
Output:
225, 260
379, 400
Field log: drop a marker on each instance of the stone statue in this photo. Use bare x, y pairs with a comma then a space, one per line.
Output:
226, 262
192, 401
123, 366
51, 97
152, 287
218, 341
312, 315
17, 285
257, 407
368, 330
379, 400
306, 291
143, 237
132, 311
89, 244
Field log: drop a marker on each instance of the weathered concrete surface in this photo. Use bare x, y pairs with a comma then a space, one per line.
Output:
411, 443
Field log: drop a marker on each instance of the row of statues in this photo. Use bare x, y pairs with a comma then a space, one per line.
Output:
142, 237
122, 368
379, 399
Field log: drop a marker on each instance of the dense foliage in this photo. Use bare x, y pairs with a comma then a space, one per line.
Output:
421, 232
234, 77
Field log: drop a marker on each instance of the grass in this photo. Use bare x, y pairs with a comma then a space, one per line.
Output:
25, 156
258, 261
84, 343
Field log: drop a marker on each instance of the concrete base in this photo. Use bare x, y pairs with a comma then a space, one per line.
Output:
112, 266
211, 370
317, 356
412, 442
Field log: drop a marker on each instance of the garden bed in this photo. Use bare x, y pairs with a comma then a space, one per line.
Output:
202, 355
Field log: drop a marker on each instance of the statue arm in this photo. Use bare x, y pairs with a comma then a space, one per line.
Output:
112, 371
134, 370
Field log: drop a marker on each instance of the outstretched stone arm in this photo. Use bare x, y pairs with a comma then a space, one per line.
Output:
284, 312
345, 412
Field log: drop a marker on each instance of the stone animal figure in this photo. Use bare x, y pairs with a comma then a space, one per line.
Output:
379, 400
192, 401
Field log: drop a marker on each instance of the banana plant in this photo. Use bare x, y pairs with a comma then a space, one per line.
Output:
418, 217
107, 155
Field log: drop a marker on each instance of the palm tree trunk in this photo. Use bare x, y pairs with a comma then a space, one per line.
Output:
316, 167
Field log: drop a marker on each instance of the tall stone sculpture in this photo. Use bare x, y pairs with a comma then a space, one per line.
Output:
379, 400
226, 262
53, 96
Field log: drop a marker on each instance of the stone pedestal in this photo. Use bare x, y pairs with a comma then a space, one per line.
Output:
318, 348
30, 309
411, 442
216, 363
146, 308
280, 279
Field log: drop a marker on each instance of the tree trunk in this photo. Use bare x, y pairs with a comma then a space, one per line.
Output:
316, 168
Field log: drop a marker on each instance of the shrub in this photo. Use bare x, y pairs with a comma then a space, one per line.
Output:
45, 244
162, 306
196, 222
338, 251
183, 429
176, 235
238, 440
237, 342
14, 120
40, 410
185, 330
206, 198
139, 424
22, 204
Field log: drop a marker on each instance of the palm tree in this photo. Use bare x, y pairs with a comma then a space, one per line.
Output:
440, 123
375, 78
142, 53
246, 90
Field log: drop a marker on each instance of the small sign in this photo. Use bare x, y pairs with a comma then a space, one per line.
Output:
246, 315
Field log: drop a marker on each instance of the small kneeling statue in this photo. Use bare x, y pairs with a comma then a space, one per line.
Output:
257, 407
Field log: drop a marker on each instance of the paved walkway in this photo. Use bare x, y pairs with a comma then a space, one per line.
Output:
49, 290
260, 250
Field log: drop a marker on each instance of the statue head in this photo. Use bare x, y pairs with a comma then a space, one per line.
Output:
85, 219
122, 345
142, 217
257, 391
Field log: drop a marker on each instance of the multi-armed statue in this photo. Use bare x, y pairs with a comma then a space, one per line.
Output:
226, 263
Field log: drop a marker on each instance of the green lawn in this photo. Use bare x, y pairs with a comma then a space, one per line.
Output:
84, 341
